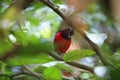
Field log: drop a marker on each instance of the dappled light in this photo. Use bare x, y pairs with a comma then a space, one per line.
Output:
59, 40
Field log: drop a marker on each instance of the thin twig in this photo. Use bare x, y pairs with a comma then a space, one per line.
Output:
4, 75
34, 73
69, 22
40, 76
16, 75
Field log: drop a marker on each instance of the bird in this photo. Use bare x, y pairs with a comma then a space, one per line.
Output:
62, 40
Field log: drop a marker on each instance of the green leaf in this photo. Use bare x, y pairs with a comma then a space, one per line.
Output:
65, 67
58, 1
118, 51
77, 54
27, 58
30, 17
116, 59
24, 38
32, 54
5, 46
114, 73
31, 50
51, 16
52, 73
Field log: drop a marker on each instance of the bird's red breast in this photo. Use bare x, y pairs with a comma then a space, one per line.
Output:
62, 40
61, 44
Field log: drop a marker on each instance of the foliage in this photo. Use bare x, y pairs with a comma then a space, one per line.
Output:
27, 40
77, 55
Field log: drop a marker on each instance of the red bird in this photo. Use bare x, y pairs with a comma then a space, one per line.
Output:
62, 40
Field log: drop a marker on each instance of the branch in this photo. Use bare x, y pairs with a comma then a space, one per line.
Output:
27, 71
32, 72
11, 53
19, 74
69, 22
75, 64
6, 75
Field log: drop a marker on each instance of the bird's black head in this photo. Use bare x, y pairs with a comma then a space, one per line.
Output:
67, 33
